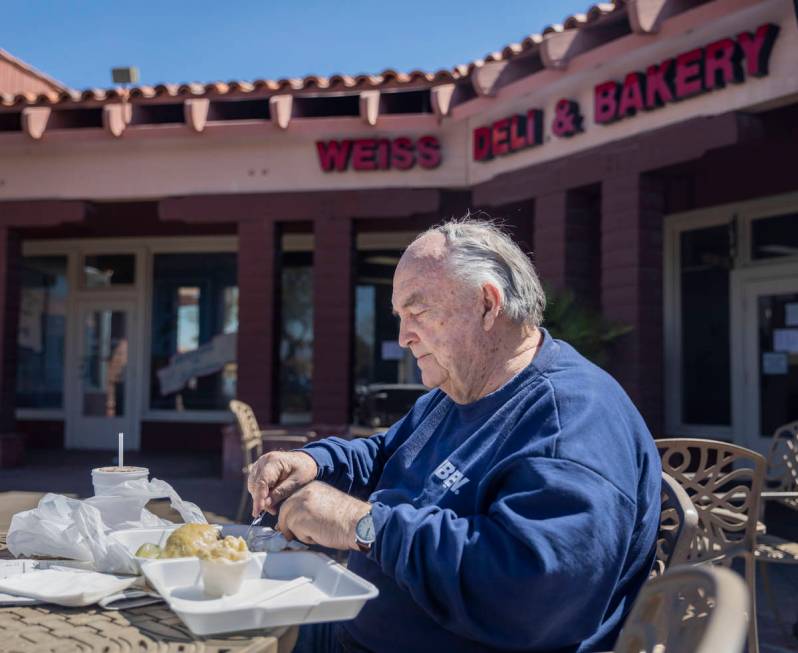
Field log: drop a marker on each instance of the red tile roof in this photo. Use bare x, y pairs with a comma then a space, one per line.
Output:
387, 79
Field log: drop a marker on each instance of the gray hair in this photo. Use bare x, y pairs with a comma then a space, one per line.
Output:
480, 251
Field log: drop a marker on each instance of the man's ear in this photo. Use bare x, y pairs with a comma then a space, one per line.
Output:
491, 305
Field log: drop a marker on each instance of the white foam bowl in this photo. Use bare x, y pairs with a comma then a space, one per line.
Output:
222, 577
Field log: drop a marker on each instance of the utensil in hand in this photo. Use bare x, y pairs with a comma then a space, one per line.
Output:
255, 522
256, 539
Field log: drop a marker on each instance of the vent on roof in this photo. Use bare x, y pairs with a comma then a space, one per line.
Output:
326, 106
612, 29
239, 110
10, 122
157, 114
76, 119
405, 102
464, 91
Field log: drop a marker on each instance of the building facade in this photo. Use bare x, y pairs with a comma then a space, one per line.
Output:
166, 249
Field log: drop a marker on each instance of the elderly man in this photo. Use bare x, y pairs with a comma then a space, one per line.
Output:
515, 507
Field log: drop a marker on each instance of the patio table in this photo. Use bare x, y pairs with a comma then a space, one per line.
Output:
147, 628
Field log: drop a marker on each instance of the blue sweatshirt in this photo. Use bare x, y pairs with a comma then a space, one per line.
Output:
523, 521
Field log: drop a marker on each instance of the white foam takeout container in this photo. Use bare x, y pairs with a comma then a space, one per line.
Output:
279, 589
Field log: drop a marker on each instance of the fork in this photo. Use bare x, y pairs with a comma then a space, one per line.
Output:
255, 522
262, 537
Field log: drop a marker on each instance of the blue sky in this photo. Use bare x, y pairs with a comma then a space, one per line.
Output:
79, 41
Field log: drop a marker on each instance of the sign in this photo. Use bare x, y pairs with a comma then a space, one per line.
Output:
508, 135
206, 359
775, 363
785, 340
365, 154
728, 61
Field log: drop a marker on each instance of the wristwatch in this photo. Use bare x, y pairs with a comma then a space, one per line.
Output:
364, 532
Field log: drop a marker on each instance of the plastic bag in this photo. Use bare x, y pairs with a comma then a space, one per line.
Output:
61, 527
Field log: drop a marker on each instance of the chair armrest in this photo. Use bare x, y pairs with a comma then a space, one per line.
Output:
273, 437
780, 495
734, 516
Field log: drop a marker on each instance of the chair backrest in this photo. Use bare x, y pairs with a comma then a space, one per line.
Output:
782, 474
251, 444
724, 482
678, 521
688, 610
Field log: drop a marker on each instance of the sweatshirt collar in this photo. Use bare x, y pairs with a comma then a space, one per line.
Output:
489, 403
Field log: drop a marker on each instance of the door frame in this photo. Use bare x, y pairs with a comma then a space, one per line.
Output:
739, 216
75, 424
144, 248
746, 284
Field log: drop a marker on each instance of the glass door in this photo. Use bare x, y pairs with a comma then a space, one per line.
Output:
770, 358
103, 382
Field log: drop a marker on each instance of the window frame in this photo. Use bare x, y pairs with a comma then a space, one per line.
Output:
141, 292
744, 213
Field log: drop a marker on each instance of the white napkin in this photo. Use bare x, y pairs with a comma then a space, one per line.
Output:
25, 566
64, 586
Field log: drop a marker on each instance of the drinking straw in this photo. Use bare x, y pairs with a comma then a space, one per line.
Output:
121, 449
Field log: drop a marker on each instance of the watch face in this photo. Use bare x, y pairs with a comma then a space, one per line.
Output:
365, 529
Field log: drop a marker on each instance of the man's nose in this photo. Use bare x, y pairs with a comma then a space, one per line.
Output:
406, 336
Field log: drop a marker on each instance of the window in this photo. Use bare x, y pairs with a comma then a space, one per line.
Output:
296, 338
194, 326
774, 237
778, 373
705, 327
109, 270
42, 331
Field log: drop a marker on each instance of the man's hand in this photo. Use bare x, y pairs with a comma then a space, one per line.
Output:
277, 475
320, 514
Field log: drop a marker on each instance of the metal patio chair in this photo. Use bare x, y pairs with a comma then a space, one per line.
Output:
724, 482
678, 521
688, 610
782, 484
253, 439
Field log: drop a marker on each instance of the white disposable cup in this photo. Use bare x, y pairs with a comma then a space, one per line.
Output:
105, 480
222, 577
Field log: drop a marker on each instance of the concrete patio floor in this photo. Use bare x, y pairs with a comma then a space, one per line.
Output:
197, 478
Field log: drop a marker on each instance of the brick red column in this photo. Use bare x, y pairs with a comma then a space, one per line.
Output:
332, 322
550, 237
566, 229
11, 443
631, 286
257, 257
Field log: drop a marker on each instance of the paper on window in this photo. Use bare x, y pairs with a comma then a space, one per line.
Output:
391, 351
206, 359
31, 309
791, 314
785, 340
775, 362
